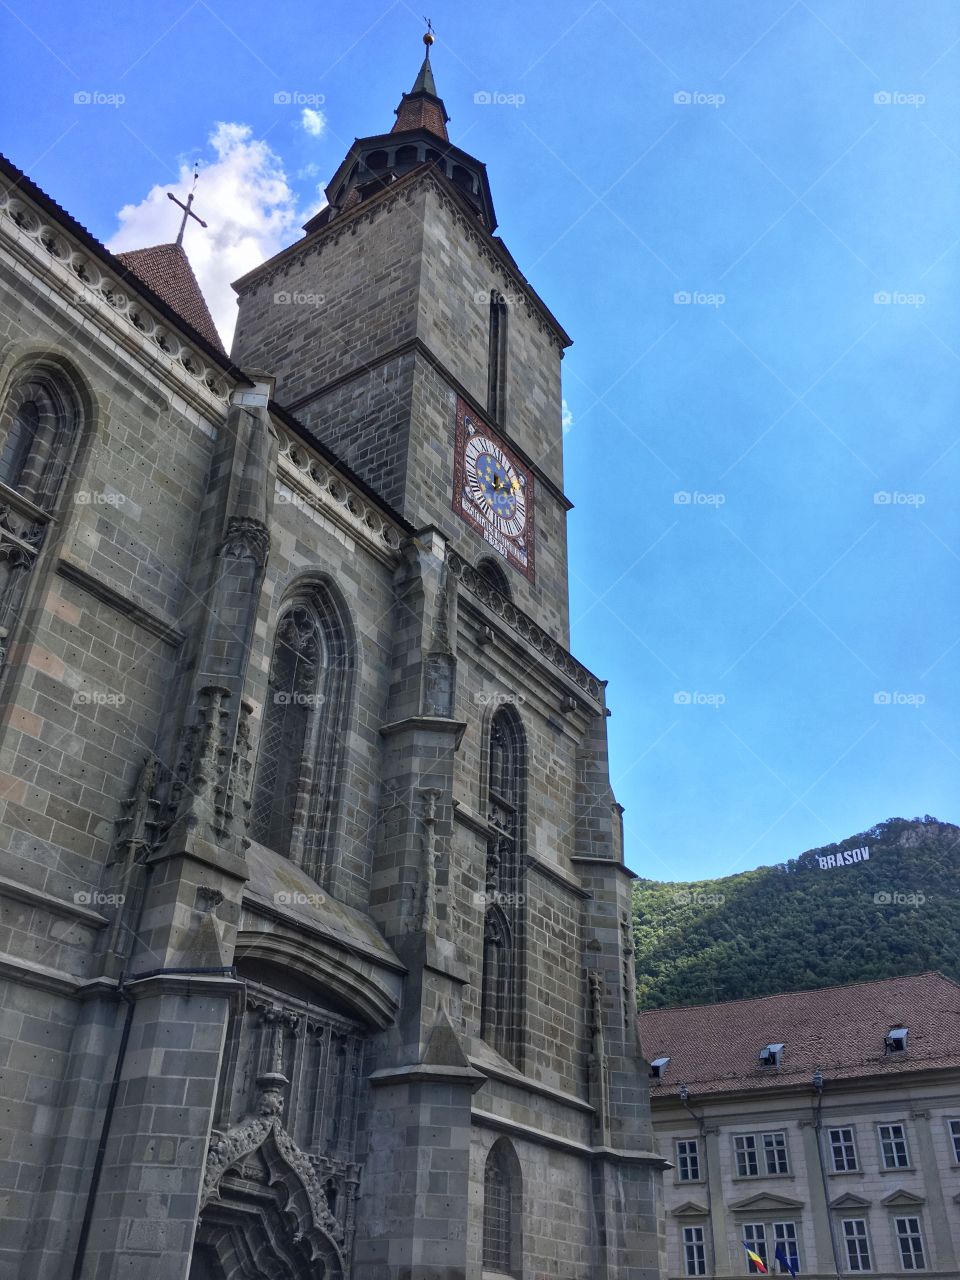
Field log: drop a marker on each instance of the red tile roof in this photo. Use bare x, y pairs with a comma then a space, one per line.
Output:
165, 268
715, 1048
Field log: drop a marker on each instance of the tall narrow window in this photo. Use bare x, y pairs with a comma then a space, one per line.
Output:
856, 1245
694, 1252
500, 1013
755, 1237
300, 737
785, 1239
688, 1160
843, 1150
497, 361
954, 1128
893, 1146
502, 1211
910, 1244
39, 436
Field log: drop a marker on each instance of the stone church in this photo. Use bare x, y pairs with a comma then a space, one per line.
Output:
315, 941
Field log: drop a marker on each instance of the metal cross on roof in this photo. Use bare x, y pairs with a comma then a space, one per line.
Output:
187, 210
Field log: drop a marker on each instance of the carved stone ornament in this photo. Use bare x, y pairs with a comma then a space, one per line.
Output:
246, 539
232, 1149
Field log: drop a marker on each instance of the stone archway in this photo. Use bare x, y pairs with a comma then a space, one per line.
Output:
264, 1213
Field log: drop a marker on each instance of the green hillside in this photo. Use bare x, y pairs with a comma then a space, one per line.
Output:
796, 925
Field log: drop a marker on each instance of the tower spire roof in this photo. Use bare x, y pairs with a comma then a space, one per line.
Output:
421, 108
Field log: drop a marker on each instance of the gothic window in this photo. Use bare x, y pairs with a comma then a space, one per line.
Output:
500, 1012
502, 1211
301, 734
494, 576
497, 360
39, 435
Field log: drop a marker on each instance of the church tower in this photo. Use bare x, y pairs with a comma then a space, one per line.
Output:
402, 332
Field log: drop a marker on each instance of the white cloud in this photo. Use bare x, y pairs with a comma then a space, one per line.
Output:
250, 209
566, 417
314, 122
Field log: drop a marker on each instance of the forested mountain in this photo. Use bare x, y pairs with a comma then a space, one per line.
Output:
828, 917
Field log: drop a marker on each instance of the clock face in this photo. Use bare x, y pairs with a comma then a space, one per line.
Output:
493, 491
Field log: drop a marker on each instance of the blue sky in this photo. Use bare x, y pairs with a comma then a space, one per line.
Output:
781, 642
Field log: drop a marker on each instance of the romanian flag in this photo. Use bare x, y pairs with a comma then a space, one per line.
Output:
755, 1258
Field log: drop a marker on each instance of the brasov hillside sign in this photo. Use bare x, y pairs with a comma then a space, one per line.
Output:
844, 859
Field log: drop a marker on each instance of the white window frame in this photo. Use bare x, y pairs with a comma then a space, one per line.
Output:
861, 1238
755, 1235
851, 1156
685, 1157
905, 1234
787, 1234
774, 1143
890, 1125
697, 1242
745, 1147
953, 1133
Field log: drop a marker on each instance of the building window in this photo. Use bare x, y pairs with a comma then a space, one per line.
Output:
843, 1150
856, 1245
893, 1146
785, 1242
497, 358
745, 1148
40, 430
502, 1211
954, 1129
500, 1005
301, 733
910, 1244
775, 1152
774, 1146
694, 1252
494, 576
755, 1238
688, 1160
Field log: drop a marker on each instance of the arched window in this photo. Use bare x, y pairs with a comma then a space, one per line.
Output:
406, 157
40, 430
494, 575
301, 733
502, 1211
376, 161
500, 994
497, 359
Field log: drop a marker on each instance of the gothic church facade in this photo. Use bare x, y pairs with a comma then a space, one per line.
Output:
315, 939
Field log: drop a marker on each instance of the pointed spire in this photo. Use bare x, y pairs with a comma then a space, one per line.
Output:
421, 108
